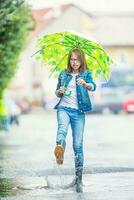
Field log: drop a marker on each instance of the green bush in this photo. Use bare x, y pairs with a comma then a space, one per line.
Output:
15, 22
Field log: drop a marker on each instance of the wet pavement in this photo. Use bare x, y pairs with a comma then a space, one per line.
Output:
28, 169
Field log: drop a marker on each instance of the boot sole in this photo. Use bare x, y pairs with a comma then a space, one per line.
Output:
59, 154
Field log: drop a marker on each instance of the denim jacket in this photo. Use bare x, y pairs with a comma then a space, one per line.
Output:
84, 102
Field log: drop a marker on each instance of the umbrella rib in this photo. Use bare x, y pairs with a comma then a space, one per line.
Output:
67, 37
78, 39
46, 47
92, 47
99, 65
61, 34
58, 64
51, 39
56, 43
36, 53
86, 42
93, 56
71, 38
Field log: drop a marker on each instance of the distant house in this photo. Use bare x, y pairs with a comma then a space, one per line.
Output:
114, 31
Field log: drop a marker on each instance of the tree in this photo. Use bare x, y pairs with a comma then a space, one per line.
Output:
15, 21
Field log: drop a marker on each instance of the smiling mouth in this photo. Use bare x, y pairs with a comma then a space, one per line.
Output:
75, 65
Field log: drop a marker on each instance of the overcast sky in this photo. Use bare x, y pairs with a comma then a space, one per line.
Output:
90, 5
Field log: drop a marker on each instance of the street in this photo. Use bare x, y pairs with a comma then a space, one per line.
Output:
28, 169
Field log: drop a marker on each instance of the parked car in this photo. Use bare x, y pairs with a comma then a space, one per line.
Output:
24, 106
110, 101
121, 77
112, 95
128, 103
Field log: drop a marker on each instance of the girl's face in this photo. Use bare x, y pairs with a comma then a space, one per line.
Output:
75, 62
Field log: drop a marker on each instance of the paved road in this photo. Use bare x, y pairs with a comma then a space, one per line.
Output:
28, 169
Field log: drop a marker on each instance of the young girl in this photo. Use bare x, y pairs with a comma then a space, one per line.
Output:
72, 88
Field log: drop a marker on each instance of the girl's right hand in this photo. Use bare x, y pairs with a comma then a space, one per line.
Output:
62, 90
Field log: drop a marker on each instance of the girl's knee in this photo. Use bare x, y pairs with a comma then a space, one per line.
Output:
62, 130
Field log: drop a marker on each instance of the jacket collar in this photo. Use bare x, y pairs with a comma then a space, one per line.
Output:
79, 73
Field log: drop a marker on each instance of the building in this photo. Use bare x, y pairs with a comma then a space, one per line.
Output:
113, 30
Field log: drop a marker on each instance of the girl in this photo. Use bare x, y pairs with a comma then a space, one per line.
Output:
72, 88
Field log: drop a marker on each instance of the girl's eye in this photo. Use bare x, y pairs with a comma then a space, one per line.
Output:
73, 60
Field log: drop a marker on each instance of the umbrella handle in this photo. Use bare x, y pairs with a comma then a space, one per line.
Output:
67, 93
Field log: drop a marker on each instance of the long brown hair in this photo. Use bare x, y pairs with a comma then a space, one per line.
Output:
81, 57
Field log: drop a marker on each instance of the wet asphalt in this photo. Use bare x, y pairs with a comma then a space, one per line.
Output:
28, 169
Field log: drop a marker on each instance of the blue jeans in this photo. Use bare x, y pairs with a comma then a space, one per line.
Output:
76, 119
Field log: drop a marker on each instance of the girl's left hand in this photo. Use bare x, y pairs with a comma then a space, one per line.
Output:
81, 81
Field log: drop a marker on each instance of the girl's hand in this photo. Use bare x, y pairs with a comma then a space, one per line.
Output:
87, 85
81, 81
62, 90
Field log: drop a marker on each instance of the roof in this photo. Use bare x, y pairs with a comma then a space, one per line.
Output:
45, 16
110, 28
114, 29
88, 5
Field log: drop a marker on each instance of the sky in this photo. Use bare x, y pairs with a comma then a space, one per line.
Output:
88, 5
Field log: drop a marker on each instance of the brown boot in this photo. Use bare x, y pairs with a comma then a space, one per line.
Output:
59, 152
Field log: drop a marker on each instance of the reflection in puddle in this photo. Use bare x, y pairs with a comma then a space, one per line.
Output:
46, 185
20, 186
6, 187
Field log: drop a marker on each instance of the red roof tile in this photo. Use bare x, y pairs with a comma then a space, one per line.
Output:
41, 22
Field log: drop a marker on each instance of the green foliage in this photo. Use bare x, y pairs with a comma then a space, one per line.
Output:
54, 50
15, 22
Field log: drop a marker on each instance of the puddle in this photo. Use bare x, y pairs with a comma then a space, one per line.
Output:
26, 185
60, 182
60, 185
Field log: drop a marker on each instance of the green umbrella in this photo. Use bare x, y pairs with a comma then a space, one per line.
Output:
54, 49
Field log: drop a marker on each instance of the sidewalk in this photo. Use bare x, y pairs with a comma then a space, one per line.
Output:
28, 169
